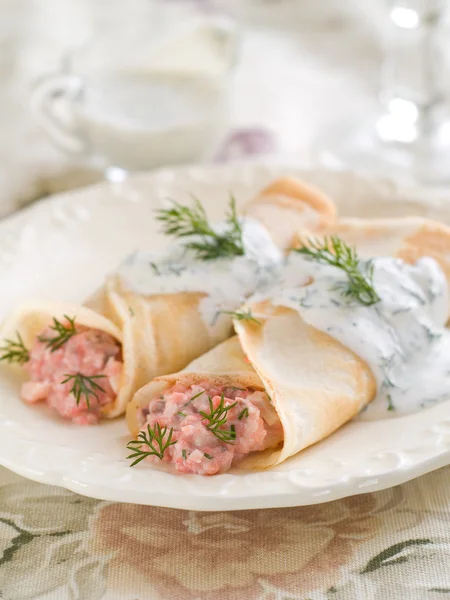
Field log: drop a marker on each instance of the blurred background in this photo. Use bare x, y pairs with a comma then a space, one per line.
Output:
94, 89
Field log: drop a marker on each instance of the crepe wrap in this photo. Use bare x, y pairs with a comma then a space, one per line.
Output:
289, 206
314, 383
161, 333
30, 320
408, 238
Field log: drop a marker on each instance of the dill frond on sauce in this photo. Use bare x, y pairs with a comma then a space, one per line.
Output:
336, 253
191, 221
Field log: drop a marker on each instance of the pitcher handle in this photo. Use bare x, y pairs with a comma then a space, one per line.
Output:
53, 92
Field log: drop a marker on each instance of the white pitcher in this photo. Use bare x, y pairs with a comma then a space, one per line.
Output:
136, 103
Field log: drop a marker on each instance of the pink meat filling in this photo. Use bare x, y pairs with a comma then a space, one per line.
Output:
88, 352
197, 449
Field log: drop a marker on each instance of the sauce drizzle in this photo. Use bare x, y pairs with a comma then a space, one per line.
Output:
226, 282
402, 337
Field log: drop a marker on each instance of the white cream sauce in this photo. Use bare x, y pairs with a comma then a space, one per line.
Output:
402, 337
226, 282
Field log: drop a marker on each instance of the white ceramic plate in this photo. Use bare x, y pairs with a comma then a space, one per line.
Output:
62, 248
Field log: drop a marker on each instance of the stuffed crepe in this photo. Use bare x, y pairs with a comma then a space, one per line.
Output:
311, 353
154, 315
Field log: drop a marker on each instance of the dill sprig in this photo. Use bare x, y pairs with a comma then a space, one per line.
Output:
243, 413
242, 315
390, 406
63, 333
184, 221
217, 418
14, 351
336, 253
154, 440
84, 385
193, 398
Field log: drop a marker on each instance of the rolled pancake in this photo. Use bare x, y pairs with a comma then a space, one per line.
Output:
31, 320
167, 331
408, 238
288, 206
223, 365
162, 332
315, 384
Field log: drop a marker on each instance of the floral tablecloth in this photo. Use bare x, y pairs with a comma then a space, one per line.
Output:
390, 545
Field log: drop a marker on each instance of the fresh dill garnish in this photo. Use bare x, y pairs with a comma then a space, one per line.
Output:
182, 414
431, 333
154, 440
193, 398
243, 413
14, 351
155, 268
336, 253
63, 333
184, 222
217, 417
387, 382
235, 388
390, 403
176, 269
131, 311
242, 315
184, 454
84, 385
387, 362
207, 456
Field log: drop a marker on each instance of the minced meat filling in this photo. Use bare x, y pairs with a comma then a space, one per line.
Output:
91, 362
212, 427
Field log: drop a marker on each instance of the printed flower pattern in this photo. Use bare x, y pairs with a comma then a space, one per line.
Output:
393, 545
236, 555
411, 570
42, 544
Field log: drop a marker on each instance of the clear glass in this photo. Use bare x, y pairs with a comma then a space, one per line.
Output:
149, 86
409, 137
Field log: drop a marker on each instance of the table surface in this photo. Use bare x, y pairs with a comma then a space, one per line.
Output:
319, 60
